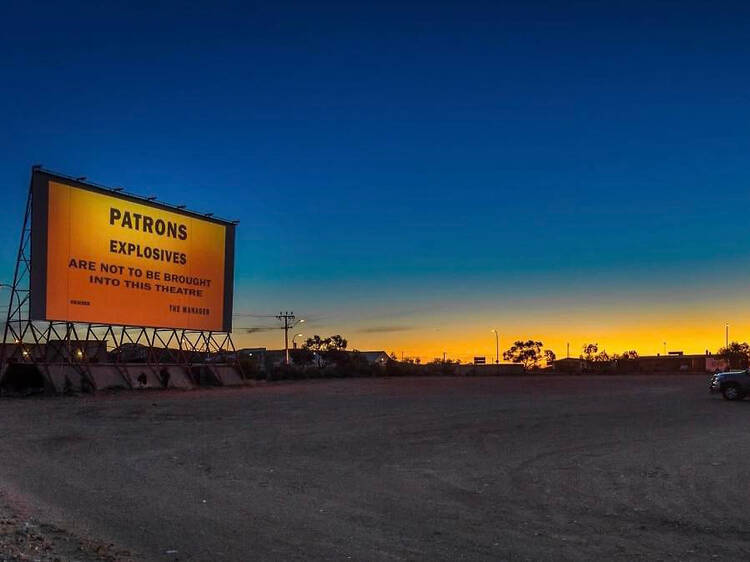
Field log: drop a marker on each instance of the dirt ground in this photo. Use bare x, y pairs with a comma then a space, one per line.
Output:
26, 538
638, 467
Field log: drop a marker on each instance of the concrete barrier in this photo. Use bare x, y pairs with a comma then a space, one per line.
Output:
178, 376
64, 378
59, 378
108, 376
228, 375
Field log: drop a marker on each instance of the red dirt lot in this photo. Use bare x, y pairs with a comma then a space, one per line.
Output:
601, 467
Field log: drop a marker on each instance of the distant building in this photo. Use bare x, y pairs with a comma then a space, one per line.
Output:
714, 364
570, 365
252, 354
674, 362
92, 351
269, 358
130, 353
375, 357
15, 352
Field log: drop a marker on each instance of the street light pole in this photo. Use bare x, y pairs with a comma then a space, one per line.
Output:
497, 347
294, 344
726, 335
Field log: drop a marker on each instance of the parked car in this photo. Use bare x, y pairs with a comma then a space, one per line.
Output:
733, 385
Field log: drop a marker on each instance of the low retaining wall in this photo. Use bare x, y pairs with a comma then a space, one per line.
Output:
61, 378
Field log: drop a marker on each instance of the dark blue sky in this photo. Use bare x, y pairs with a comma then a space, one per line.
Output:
394, 162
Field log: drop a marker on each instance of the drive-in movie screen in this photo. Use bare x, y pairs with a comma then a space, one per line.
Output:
114, 259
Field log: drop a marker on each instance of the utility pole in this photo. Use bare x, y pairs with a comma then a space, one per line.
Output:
289, 323
568, 350
726, 335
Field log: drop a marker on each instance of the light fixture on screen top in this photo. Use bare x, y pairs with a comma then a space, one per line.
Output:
209, 214
151, 198
180, 206
117, 188
82, 178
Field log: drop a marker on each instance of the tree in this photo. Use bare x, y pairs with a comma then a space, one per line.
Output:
333, 343
529, 353
336, 343
549, 357
628, 355
335, 351
316, 343
737, 354
330, 351
601, 357
589, 351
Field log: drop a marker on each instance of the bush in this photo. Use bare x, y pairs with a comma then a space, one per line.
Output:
251, 369
402, 369
440, 368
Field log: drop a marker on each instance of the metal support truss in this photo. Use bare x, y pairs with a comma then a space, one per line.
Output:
48, 343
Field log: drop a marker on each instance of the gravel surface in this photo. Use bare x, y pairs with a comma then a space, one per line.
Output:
638, 467
25, 538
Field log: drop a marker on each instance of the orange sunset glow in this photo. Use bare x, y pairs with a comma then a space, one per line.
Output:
691, 320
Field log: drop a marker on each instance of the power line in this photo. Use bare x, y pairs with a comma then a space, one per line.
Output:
251, 315
255, 329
